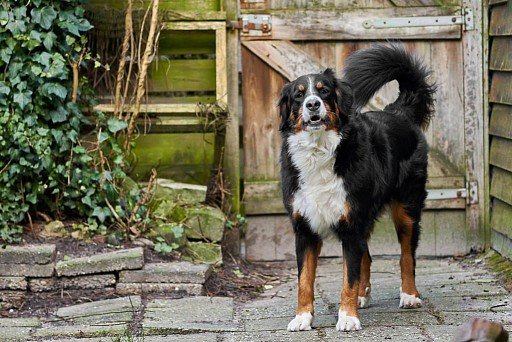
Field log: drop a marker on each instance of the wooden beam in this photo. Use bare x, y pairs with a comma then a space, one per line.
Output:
194, 25
339, 24
154, 108
285, 57
474, 126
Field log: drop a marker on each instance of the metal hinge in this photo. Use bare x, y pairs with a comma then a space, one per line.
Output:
253, 24
466, 19
470, 193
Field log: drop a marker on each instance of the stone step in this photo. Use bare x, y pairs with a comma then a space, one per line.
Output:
132, 258
86, 282
31, 254
176, 272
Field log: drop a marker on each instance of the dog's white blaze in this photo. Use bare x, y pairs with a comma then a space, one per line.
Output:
321, 195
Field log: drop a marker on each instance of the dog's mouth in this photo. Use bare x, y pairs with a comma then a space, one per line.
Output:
315, 123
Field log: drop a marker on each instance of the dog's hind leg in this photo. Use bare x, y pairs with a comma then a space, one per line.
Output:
307, 247
364, 297
406, 219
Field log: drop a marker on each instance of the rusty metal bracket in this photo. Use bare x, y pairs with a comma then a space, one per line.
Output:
253, 25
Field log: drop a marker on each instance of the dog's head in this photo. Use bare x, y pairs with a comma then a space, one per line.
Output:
315, 102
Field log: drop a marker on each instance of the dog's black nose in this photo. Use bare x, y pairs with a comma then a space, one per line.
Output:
313, 104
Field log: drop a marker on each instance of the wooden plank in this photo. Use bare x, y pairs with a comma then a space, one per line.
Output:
341, 25
474, 142
501, 88
501, 183
496, 2
502, 244
501, 22
501, 217
501, 58
220, 67
284, 57
415, 3
174, 100
501, 121
191, 15
261, 86
154, 108
164, 5
173, 125
501, 153
169, 75
191, 26
186, 42
182, 157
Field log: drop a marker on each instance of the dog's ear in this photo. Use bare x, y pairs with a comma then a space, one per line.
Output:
329, 72
344, 97
285, 106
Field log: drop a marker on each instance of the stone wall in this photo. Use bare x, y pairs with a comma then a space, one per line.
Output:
34, 269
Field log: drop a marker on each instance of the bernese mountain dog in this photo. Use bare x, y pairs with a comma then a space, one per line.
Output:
341, 167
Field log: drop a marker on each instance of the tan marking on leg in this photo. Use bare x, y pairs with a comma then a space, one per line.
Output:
349, 294
306, 293
365, 275
404, 226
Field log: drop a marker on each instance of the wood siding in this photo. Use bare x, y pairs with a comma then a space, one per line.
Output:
500, 126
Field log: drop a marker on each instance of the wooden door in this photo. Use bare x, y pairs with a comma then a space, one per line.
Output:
306, 38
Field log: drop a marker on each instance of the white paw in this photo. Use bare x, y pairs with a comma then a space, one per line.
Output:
364, 302
408, 301
347, 323
301, 322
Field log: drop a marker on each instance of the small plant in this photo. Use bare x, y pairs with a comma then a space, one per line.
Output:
164, 246
239, 221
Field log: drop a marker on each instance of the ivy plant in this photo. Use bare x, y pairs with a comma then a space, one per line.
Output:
46, 166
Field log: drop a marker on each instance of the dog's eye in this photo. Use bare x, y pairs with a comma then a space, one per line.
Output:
299, 95
325, 91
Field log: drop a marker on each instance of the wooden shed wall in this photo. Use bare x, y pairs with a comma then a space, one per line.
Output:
500, 125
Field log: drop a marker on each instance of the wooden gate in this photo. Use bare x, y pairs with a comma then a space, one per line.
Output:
289, 38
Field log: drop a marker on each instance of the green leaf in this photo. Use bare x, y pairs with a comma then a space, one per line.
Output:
4, 17
23, 98
44, 16
115, 125
4, 89
101, 213
43, 58
5, 54
58, 115
49, 40
59, 90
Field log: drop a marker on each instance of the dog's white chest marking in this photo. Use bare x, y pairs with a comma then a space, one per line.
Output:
321, 195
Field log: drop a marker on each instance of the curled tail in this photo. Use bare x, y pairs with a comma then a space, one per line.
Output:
368, 70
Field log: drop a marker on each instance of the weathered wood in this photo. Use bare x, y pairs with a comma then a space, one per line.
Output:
501, 153
414, 3
253, 5
194, 25
168, 15
174, 5
261, 86
473, 57
181, 157
174, 124
168, 75
153, 108
501, 57
500, 24
284, 57
502, 244
501, 88
231, 238
501, 121
496, 2
220, 67
186, 42
350, 4
501, 217
341, 25
501, 184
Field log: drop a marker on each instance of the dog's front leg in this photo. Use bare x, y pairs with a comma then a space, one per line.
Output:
348, 317
307, 248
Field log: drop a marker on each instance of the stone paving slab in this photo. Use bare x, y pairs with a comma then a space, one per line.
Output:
121, 304
81, 331
193, 314
176, 272
86, 282
31, 254
471, 303
140, 288
17, 329
125, 259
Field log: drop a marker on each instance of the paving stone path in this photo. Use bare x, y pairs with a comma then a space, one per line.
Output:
452, 295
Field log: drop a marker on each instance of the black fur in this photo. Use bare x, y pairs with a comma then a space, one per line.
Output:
383, 154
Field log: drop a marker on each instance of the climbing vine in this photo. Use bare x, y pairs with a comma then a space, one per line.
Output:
54, 160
